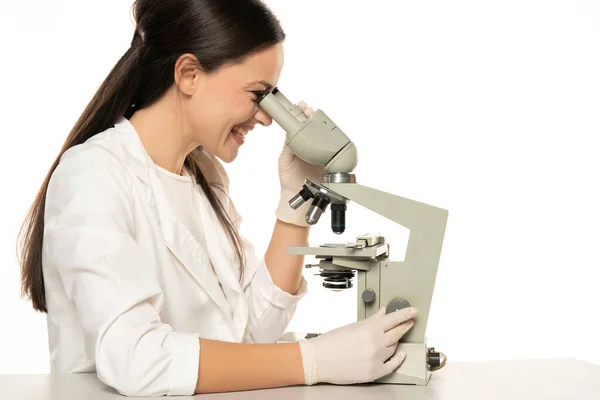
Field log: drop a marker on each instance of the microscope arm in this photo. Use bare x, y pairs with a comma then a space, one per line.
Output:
414, 278
419, 217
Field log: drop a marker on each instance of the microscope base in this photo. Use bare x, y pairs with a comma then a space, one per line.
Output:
413, 371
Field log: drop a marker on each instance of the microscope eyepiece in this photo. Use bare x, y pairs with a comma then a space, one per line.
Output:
338, 218
265, 94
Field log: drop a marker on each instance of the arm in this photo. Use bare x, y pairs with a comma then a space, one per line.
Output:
271, 304
291, 228
226, 366
277, 284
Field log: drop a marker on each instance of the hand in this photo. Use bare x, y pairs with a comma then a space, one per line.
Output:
292, 173
357, 353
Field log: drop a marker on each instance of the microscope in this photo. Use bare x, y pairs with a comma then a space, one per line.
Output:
380, 281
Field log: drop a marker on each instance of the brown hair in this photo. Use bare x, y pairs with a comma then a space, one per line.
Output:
217, 32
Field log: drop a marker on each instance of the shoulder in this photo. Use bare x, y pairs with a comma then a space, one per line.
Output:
101, 156
91, 175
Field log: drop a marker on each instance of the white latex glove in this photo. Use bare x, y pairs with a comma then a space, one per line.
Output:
358, 352
292, 172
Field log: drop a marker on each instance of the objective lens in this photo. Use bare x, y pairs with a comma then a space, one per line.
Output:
317, 208
338, 218
299, 199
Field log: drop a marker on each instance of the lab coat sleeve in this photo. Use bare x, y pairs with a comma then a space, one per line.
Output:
88, 243
270, 308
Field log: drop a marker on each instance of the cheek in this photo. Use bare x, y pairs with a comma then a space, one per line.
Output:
243, 111
213, 116
242, 107
208, 117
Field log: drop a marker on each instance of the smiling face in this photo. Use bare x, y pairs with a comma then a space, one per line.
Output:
217, 105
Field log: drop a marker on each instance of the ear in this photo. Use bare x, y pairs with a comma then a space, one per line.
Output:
187, 74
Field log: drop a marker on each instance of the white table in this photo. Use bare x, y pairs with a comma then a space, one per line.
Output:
489, 380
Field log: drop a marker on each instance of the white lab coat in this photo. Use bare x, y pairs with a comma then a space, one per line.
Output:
129, 289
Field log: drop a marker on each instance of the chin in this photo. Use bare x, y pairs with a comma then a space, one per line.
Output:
227, 157
228, 151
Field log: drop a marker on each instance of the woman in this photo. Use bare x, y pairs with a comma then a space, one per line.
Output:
132, 245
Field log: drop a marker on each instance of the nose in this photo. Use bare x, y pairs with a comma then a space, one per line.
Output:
263, 118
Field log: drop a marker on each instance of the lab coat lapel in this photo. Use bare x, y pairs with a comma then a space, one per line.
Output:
177, 238
222, 255
185, 247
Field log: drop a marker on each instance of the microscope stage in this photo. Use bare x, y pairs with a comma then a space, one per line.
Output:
341, 250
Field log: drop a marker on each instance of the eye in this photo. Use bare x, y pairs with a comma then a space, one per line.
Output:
259, 95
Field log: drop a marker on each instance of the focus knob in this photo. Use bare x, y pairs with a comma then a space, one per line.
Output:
396, 304
368, 296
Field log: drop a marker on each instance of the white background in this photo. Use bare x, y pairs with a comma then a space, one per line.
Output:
487, 109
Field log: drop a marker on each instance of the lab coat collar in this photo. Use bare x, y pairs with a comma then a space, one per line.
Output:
181, 242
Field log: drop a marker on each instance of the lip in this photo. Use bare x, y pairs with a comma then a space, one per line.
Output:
239, 140
246, 127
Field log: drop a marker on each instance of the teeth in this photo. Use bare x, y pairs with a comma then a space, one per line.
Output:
240, 131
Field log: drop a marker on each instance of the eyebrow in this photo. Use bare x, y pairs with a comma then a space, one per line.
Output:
267, 85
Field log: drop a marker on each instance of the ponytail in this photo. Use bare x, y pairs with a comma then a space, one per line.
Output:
114, 99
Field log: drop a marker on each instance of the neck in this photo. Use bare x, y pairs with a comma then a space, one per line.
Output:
164, 135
